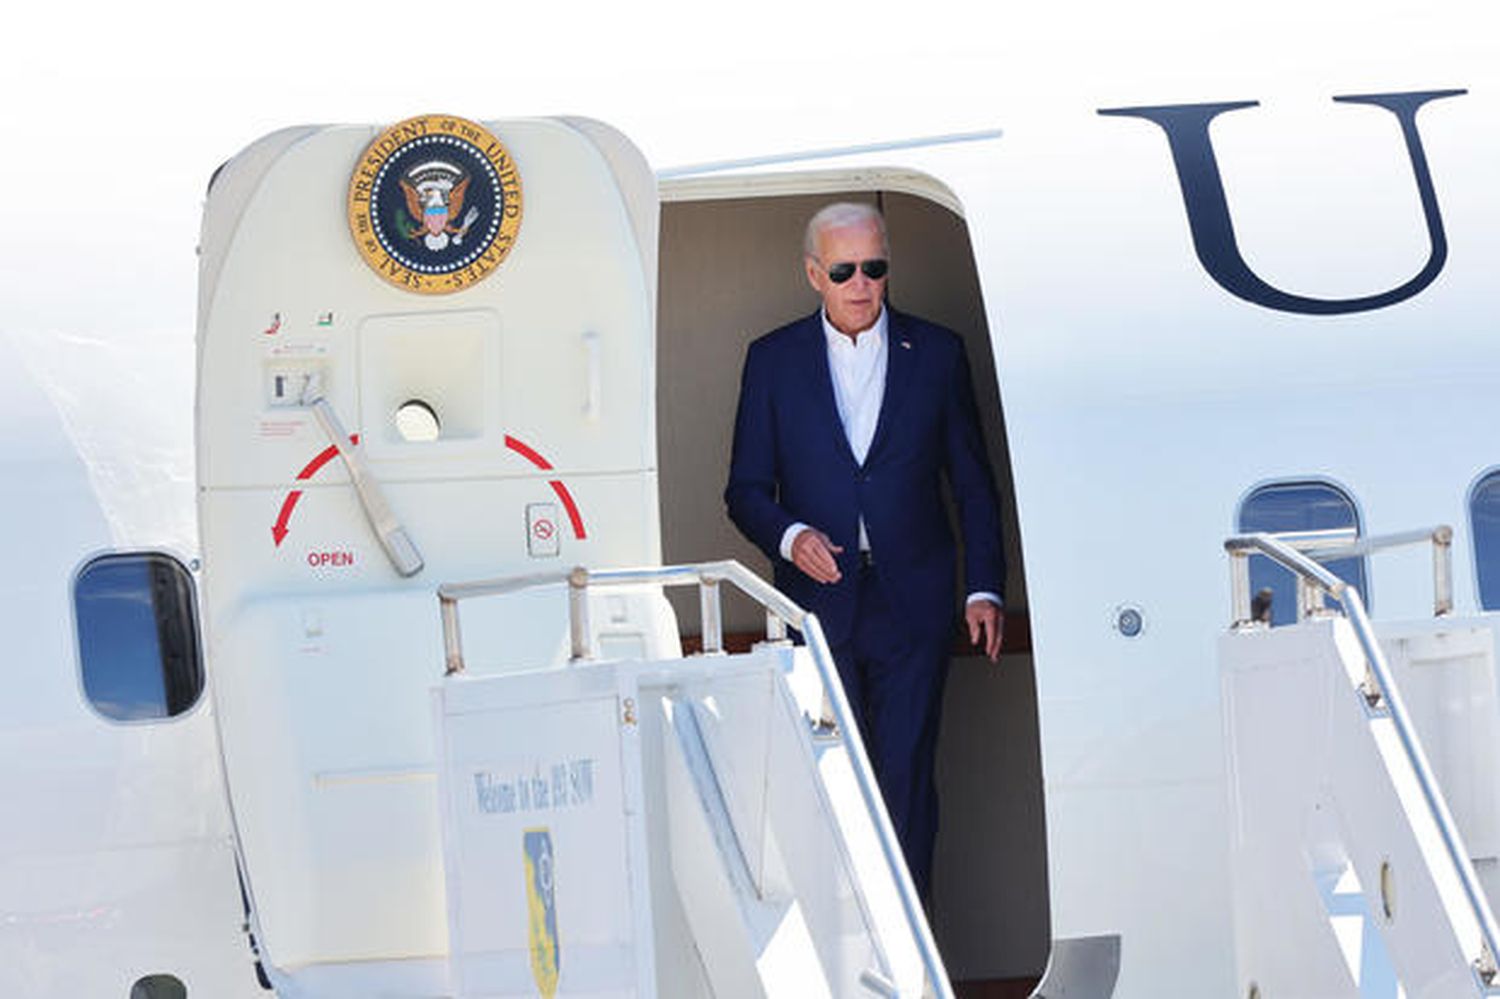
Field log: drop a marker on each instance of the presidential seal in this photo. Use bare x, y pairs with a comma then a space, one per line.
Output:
435, 204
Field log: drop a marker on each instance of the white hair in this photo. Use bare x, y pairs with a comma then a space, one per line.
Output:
839, 215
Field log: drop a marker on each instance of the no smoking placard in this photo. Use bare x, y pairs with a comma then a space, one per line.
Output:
542, 531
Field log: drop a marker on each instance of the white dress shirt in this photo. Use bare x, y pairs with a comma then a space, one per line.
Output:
858, 366
858, 369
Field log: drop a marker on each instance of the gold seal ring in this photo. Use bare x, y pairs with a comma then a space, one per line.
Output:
435, 204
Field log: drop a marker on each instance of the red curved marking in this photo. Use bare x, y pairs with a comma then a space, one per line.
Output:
570, 506
529, 453
324, 457
279, 530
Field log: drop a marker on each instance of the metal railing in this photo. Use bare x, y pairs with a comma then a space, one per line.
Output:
1337, 544
1381, 694
781, 613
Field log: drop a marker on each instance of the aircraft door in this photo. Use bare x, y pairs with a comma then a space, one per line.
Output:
426, 354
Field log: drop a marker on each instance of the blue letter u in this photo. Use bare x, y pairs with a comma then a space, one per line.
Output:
1186, 126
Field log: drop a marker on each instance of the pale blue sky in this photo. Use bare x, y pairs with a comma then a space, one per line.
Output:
116, 114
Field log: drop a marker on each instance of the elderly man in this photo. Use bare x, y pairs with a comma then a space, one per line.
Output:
848, 419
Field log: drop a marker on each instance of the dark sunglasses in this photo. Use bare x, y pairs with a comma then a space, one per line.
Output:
874, 270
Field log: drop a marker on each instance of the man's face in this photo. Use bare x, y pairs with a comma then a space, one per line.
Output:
854, 305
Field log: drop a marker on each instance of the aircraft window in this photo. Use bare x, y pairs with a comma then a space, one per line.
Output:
1298, 506
1484, 509
138, 636
158, 987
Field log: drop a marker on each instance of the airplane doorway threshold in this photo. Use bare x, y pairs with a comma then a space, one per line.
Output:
730, 269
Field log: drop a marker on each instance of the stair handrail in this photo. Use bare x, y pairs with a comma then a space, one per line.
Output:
1386, 694
781, 612
1338, 543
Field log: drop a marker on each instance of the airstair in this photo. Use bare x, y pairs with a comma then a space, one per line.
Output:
1364, 782
712, 785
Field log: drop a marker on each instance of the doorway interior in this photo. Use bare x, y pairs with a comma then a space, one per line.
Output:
731, 269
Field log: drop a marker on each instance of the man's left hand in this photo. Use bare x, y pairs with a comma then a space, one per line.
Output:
986, 626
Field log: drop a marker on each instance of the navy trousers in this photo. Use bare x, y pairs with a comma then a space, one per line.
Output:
894, 682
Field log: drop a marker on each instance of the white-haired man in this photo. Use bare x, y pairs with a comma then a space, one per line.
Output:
848, 421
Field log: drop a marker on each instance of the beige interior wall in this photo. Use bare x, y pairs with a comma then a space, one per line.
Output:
730, 271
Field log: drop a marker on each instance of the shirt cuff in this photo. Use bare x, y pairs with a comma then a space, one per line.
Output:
788, 536
993, 598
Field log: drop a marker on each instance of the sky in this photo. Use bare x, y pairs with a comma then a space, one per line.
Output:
116, 114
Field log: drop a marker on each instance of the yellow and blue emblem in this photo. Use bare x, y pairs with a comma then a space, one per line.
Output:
541, 909
435, 204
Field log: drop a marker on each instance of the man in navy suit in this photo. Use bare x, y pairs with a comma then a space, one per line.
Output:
848, 420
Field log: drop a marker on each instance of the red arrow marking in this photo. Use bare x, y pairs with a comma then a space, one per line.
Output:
570, 506
324, 457
526, 452
279, 530
530, 454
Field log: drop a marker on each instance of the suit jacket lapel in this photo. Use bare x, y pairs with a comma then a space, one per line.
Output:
901, 361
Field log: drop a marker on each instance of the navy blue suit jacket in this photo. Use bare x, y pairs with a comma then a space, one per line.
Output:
792, 462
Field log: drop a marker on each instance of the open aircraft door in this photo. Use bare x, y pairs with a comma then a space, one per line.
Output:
425, 354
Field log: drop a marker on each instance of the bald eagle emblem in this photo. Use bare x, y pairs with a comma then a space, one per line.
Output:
434, 204
434, 198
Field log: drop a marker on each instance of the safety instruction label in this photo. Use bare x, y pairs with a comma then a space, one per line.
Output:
543, 532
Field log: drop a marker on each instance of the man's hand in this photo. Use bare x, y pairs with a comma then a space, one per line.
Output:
986, 626
813, 553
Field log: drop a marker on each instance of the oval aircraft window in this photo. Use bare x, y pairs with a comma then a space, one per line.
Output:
1484, 515
159, 987
1298, 506
137, 636
416, 422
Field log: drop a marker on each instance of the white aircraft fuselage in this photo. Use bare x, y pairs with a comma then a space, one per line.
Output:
1176, 306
